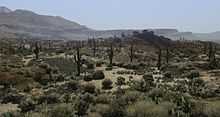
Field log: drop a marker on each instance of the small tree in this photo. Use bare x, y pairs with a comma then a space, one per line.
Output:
77, 59
36, 50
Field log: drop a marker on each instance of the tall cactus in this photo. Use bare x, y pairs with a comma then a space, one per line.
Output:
131, 52
77, 59
36, 50
111, 54
167, 55
210, 51
159, 59
94, 47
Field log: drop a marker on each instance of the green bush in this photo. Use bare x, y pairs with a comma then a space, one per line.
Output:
107, 84
89, 88
120, 81
98, 75
149, 109
63, 110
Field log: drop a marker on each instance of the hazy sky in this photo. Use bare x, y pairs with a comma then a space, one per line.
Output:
185, 15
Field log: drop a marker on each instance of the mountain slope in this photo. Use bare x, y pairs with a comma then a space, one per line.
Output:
27, 22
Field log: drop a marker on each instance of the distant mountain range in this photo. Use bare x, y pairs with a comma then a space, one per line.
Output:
27, 24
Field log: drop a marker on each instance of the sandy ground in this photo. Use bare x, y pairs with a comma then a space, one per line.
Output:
8, 108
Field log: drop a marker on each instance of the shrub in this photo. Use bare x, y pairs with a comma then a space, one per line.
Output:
88, 78
90, 66
168, 75
89, 88
49, 99
120, 81
107, 84
98, 75
193, 74
81, 107
103, 99
62, 110
148, 77
148, 109
108, 68
99, 64
73, 85
27, 105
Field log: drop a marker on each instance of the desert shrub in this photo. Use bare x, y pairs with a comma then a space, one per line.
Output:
62, 110
102, 109
59, 78
115, 109
156, 94
44, 66
131, 66
120, 81
99, 64
73, 85
7, 114
49, 99
42, 78
148, 77
193, 74
88, 77
87, 97
81, 107
89, 88
130, 97
7, 79
94, 115
98, 75
142, 85
168, 75
108, 68
66, 66
148, 109
103, 99
90, 66
107, 84
13, 98
27, 105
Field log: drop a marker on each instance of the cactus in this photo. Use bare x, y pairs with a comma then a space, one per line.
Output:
77, 59
159, 59
111, 54
167, 55
131, 52
94, 47
36, 50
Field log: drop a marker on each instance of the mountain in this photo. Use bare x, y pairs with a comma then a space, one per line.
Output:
27, 24
4, 10
215, 36
23, 22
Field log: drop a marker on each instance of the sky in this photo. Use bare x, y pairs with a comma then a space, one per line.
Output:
184, 15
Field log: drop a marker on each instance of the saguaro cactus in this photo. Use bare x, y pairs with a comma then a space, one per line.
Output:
36, 50
111, 54
159, 59
94, 46
131, 52
167, 55
77, 59
210, 54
